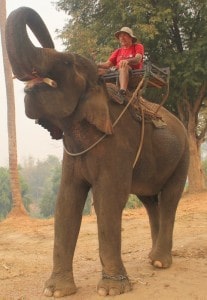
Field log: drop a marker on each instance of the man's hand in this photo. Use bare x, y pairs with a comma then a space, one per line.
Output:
123, 63
130, 61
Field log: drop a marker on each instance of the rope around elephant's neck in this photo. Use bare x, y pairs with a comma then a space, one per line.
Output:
113, 125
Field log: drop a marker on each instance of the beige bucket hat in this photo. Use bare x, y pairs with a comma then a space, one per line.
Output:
126, 30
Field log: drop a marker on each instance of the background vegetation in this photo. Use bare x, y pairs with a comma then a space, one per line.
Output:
6, 195
39, 186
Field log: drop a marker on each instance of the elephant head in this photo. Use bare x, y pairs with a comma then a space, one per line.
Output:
57, 84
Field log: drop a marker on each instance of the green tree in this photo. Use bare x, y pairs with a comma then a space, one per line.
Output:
36, 174
6, 195
174, 33
133, 202
186, 56
47, 204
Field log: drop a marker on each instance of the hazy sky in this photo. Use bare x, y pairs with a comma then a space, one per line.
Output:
32, 139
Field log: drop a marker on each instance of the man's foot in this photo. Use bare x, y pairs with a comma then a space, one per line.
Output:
122, 96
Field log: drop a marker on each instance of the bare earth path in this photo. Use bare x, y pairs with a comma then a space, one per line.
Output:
26, 257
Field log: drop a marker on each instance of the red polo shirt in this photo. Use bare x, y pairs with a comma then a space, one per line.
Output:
124, 53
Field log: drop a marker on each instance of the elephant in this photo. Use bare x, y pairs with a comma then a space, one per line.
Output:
65, 94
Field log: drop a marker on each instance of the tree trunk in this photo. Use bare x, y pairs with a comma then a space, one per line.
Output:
196, 178
17, 203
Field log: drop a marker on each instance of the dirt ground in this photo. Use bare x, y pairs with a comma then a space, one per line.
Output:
26, 256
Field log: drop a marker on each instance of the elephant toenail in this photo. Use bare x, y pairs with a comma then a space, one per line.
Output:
48, 293
58, 294
102, 292
157, 264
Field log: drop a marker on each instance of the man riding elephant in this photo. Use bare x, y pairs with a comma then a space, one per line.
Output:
128, 57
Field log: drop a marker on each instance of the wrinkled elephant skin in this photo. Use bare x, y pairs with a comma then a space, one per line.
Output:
65, 94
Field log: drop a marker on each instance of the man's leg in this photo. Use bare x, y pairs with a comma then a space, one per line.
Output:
124, 77
123, 82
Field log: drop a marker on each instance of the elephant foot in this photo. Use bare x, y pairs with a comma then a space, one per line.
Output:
160, 261
59, 286
113, 285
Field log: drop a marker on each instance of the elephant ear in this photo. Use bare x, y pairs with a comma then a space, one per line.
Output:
95, 109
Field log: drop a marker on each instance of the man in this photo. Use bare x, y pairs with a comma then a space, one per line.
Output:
129, 56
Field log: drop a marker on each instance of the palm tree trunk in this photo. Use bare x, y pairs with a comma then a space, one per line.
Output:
17, 203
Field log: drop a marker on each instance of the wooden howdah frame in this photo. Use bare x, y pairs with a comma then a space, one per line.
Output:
155, 77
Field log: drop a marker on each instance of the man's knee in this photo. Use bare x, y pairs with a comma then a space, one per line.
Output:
124, 69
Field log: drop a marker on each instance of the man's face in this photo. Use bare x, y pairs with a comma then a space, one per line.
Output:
125, 39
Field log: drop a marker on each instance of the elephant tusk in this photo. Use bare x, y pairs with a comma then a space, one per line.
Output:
38, 80
50, 82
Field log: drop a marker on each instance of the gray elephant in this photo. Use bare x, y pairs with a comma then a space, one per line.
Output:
66, 96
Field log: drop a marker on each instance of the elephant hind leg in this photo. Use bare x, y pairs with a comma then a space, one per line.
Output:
152, 207
160, 255
161, 228
169, 197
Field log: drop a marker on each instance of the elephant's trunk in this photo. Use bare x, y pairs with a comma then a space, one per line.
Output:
26, 59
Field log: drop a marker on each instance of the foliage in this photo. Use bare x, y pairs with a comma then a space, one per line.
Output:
37, 173
47, 204
43, 179
46, 176
5, 193
88, 205
133, 202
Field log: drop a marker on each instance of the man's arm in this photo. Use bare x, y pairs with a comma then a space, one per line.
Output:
105, 65
131, 61
134, 60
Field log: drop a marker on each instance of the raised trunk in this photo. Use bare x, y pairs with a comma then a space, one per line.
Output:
25, 58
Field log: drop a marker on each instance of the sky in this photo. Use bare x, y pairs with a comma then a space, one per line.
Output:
32, 139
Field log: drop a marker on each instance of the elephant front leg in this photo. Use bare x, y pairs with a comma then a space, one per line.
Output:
68, 217
114, 279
